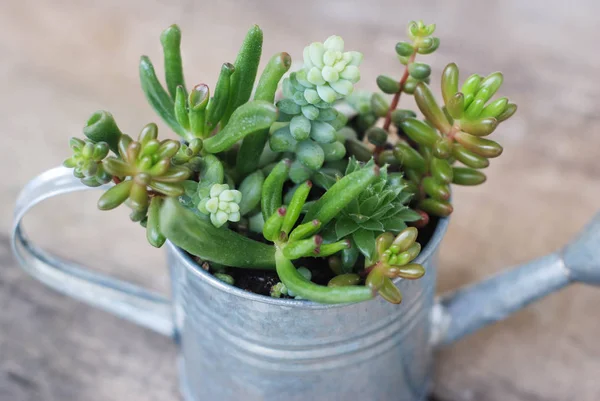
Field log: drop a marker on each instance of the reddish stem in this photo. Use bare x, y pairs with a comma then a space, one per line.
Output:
396, 99
368, 269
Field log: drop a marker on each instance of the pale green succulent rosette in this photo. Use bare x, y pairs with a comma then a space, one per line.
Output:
223, 205
330, 72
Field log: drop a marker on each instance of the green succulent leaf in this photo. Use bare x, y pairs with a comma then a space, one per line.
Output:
102, 127
251, 189
220, 245
345, 226
381, 206
246, 67
247, 119
407, 214
341, 194
217, 105
171, 41
372, 225
306, 289
158, 97
365, 242
394, 224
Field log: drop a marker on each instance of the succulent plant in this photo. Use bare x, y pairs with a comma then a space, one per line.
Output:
86, 162
237, 192
422, 42
380, 207
311, 122
223, 205
331, 73
453, 133
393, 257
426, 151
144, 168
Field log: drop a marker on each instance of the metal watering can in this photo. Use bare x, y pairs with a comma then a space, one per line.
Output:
236, 345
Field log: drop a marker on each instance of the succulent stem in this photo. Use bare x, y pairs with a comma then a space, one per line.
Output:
396, 99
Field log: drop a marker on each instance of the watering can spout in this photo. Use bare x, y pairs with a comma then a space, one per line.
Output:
462, 312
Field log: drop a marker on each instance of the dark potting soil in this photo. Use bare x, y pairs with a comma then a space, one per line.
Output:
260, 281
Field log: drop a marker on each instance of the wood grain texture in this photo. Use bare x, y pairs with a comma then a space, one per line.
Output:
62, 60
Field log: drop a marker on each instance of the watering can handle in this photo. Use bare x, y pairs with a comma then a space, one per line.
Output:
125, 300
462, 312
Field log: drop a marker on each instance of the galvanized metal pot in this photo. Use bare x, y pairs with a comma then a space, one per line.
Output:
235, 345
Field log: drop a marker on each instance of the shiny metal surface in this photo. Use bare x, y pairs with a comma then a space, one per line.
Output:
237, 345
123, 299
468, 309
233, 342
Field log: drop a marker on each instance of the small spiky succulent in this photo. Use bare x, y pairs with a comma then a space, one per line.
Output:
380, 207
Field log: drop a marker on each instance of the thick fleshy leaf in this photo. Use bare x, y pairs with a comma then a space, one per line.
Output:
394, 224
407, 214
345, 227
469, 158
310, 154
282, 140
404, 196
247, 119
430, 108
153, 233
372, 225
101, 127
295, 206
115, 195
495, 108
251, 189
300, 127
349, 258
220, 245
369, 206
436, 207
481, 146
365, 242
467, 176
382, 211
321, 132
352, 207
246, 67
323, 180
359, 218
273, 187
211, 172
390, 292
158, 97
449, 82
297, 283
171, 40
419, 131
341, 193
217, 105
333, 151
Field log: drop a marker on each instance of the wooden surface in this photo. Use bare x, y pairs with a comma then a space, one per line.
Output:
61, 60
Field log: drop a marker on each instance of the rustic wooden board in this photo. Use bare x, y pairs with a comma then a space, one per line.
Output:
63, 60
